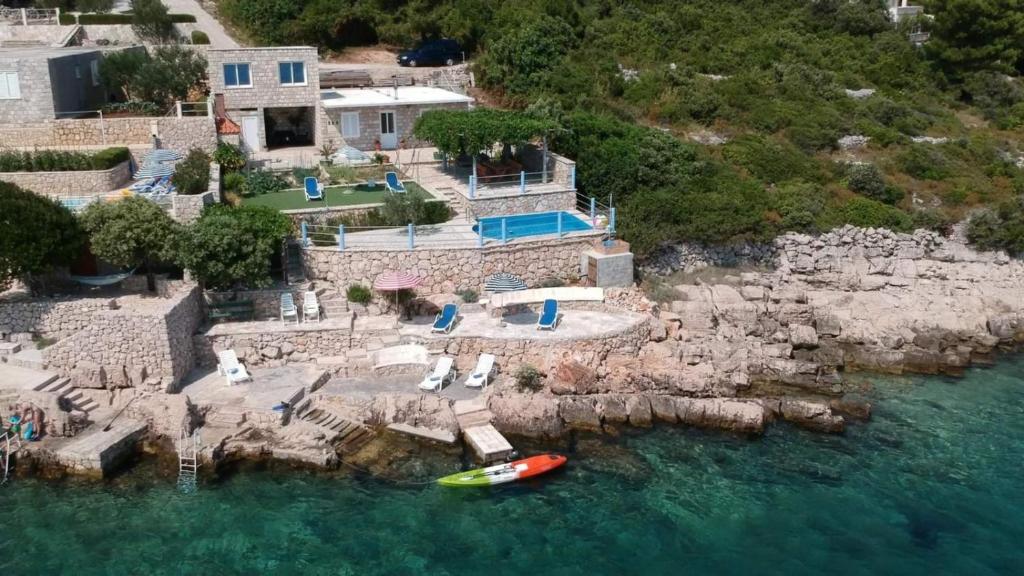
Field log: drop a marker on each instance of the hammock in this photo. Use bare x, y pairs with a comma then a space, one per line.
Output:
103, 280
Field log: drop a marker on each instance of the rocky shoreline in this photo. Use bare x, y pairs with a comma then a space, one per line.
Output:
751, 349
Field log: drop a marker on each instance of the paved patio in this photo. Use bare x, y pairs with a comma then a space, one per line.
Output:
268, 388
573, 325
366, 388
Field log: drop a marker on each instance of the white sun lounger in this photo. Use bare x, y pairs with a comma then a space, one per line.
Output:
482, 373
229, 366
434, 381
310, 307
288, 309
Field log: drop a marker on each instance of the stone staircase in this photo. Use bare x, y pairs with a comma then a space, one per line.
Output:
472, 413
348, 436
75, 398
225, 417
30, 358
334, 305
294, 270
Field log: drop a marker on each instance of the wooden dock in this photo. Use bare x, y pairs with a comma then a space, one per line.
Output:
488, 444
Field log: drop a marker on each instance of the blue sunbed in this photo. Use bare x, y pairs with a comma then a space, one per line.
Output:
445, 321
393, 183
549, 318
313, 188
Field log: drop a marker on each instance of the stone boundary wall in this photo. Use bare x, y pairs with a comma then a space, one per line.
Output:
172, 132
70, 183
124, 347
449, 269
517, 203
689, 257
266, 303
51, 318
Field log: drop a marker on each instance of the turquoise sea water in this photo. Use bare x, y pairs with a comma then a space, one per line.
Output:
934, 484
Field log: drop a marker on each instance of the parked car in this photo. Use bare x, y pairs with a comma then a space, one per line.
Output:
432, 53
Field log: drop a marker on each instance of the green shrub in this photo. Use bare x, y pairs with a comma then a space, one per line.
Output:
999, 229
234, 182
866, 180
109, 157
341, 174
259, 182
528, 379
200, 37
799, 205
182, 19
66, 19
468, 296
192, 175
61, 161
99, 19
300, 174
771, 161
139, 107
358, 294
412, 208
867, 213
925, 162
229, 156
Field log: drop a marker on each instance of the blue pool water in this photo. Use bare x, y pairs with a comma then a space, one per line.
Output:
524, 225
933, 485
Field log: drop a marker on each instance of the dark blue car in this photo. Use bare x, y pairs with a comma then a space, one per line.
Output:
432, 53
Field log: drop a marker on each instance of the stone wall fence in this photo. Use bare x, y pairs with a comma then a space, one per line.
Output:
187, 208
172, 132
517, 203
446, 270
71, 183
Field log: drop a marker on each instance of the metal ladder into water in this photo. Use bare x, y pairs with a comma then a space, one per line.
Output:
188, 461
6, 451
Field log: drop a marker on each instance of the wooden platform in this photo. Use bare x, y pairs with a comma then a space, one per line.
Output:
488, 444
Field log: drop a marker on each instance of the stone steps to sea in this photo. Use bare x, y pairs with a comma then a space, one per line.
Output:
348, 436
75, 397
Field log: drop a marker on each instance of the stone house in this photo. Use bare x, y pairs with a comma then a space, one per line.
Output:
366, 117
271, 93
40, 84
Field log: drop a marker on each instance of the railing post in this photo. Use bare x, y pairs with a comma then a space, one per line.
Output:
593, 211
611, 220
572, 176
24, 17
209, 109
560, 224
305, 234
472, 186
480, 233
341, 237
504, 231
412, 236
177, 107
522, 181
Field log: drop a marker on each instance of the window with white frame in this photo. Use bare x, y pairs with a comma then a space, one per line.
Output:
236, 75
292, 73
94, 71
350, 125
10, 87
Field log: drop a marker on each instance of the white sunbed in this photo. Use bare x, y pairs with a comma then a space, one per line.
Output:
229, 366
288, 308
442, 371
482, 373
310, 307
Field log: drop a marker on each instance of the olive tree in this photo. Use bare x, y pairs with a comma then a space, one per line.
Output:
38, 235
132, 232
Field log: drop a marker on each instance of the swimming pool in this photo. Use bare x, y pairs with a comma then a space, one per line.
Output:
524, 225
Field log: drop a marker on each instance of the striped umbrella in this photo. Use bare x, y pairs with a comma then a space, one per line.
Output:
161, 155
393, 281
154, 171
504, 282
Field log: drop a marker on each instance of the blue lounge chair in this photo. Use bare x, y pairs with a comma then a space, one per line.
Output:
445, 321
144, 185
549, 318
393, 184
313, 188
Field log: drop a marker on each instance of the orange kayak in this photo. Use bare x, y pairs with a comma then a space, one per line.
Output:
504, 473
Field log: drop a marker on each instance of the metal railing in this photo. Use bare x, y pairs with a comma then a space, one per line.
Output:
182, 109
600, 215
29, 16
521, 181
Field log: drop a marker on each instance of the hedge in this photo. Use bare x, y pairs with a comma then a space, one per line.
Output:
67, 19
125, 18
200, 37
61, 161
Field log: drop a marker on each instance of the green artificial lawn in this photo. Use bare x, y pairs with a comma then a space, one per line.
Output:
294, 199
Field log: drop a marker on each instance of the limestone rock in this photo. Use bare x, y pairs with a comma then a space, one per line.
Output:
664, 408
580, 412
802, 336
811, 415
531, 415
572, 377
89, 375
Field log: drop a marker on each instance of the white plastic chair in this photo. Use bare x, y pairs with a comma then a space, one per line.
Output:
288, 308
480, 375
310, 306
229, 366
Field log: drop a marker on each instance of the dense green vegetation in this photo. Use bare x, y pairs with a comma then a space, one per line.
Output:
61, 160
38, 235
643, 93
192, 174
170, 73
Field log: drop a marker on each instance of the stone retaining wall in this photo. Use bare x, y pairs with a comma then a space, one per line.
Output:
51, 318
450, 269
124, 346
266, 303
174, 133
70, 183
516, 203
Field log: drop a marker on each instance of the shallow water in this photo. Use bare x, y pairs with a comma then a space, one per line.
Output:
932, 485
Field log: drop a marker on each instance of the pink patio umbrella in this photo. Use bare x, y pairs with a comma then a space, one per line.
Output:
394, 281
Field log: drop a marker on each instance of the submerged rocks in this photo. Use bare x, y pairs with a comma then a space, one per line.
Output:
811, 415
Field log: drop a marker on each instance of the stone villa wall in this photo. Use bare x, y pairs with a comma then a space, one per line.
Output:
450, 269
172, 132
517, 203
369, 122
71, 183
